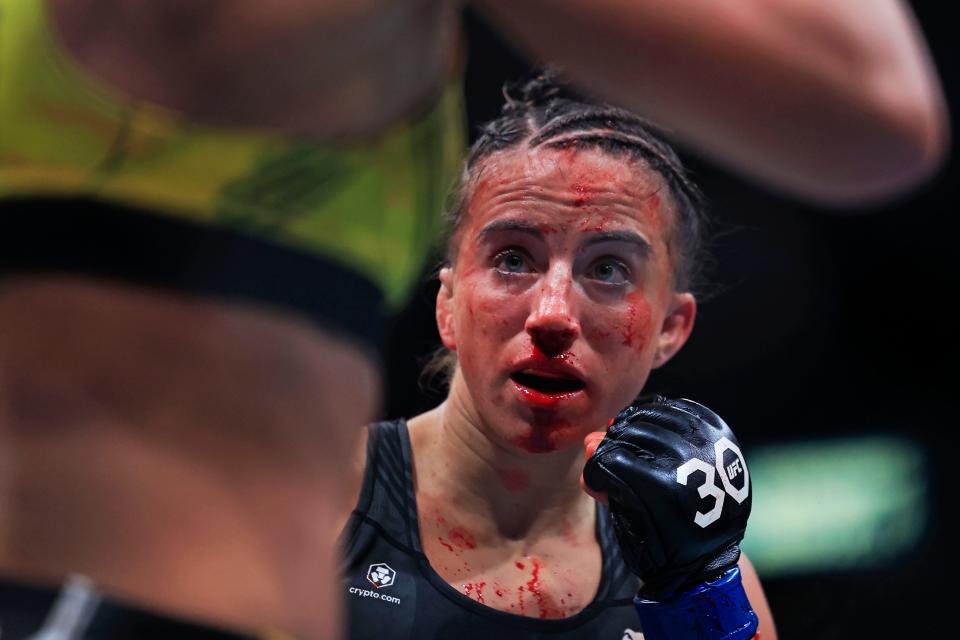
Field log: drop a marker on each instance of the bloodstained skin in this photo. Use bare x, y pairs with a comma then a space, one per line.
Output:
587, 185
462, 539
636, 333
544, 434
541, 399
543, 437
533, 586
582, 197
456, 541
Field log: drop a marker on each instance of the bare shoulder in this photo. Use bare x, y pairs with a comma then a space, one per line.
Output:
751, 584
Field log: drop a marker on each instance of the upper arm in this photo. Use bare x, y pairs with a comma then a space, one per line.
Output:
836, 101
751, 584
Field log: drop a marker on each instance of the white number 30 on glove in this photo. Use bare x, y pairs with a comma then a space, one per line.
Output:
709, 488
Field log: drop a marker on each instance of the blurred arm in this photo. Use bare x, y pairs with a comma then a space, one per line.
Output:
751, 584
834, 101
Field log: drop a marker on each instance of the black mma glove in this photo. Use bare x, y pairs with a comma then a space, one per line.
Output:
679, 513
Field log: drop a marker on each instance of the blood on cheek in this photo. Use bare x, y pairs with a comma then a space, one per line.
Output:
635, 328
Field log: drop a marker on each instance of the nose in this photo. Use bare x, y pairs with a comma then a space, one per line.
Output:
552, 325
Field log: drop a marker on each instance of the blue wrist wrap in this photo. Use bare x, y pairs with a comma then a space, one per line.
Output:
717, 610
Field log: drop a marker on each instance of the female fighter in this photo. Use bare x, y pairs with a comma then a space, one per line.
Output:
571, 256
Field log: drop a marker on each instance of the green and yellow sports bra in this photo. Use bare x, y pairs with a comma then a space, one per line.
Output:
368, 209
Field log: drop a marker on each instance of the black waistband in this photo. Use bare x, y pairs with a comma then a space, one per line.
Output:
78, 612
100, 239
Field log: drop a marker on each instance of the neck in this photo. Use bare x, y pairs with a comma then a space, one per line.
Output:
497, 517
505, 492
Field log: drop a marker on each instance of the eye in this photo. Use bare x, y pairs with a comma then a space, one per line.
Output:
511, 261
609, 271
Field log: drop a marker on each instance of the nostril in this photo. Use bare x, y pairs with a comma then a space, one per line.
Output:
553, 342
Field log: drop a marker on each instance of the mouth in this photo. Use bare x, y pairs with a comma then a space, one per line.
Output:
548, 383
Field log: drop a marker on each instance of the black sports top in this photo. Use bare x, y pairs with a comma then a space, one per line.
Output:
393, 592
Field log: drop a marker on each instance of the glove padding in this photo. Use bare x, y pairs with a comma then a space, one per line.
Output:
663, 538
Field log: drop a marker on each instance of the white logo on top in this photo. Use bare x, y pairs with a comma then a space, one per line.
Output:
381, 575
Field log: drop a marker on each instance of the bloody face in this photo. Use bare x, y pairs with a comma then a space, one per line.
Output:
557, 299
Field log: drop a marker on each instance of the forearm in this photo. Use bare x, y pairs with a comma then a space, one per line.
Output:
833, 100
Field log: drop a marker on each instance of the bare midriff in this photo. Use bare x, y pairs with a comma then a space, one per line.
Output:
183, 453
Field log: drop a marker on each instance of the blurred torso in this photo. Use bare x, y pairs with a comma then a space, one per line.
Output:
183, 452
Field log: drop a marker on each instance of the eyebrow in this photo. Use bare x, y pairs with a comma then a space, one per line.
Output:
510, 225
599, 237
621, 236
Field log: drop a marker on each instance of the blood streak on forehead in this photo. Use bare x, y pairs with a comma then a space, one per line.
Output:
584, 179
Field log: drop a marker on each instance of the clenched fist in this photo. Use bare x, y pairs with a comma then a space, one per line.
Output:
679, 492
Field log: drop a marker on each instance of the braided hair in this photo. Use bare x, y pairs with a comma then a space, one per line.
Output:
542, 112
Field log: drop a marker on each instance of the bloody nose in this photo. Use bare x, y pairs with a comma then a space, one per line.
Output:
552, 341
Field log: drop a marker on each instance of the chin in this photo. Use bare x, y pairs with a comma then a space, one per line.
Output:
549, 434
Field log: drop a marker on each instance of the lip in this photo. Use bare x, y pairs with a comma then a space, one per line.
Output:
541, 400
558, 367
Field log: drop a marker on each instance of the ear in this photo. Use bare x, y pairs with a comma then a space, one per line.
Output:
445, 325
676, 327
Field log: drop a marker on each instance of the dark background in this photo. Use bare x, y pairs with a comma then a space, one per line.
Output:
818, 325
